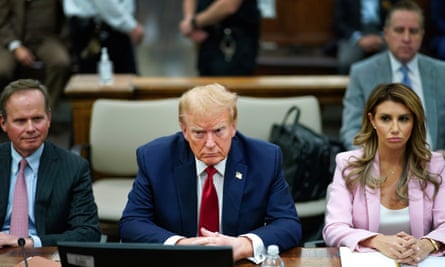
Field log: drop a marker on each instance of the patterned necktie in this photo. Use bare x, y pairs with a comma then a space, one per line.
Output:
209, 212
405, 78
19, 216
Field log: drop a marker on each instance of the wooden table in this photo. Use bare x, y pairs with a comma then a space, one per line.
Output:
296, 257
11, 256
84, 89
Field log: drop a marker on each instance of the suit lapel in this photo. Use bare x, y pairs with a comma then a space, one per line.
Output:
416, 208
384, 71
235, 177
379, 72
186, 184
373, 198
429, 88
185, 178
48, 173
5, 178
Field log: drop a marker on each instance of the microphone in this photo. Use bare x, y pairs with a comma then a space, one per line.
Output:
21, 242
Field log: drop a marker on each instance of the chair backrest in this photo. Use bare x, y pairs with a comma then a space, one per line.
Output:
118, 127
256, 115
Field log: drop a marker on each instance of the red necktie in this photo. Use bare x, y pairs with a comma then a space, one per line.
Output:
209, 212
19, 215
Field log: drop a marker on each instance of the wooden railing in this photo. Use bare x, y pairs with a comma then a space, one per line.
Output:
85, 89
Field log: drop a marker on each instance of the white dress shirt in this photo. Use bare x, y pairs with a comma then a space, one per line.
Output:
119, 14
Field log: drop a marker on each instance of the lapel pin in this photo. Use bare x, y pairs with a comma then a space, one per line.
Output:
239, 175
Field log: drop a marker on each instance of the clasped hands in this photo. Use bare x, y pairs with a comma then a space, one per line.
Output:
241, 246
404, 248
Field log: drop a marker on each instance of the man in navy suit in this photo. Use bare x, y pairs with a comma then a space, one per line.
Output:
61, 205
255, 205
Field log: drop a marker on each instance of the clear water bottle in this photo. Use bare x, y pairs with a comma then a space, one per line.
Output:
273, 258
105, 68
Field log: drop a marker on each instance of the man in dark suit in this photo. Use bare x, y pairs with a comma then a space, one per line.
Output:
404, 30
60, 202
255, 208
358, 27
32, 38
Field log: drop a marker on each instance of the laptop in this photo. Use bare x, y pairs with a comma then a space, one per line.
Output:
95, 254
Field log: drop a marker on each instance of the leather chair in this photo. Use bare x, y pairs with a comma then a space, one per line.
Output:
255, 119
117, 128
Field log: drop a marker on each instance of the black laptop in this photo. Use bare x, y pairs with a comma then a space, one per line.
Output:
92, 254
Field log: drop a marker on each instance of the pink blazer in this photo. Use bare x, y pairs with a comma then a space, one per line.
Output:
354, 216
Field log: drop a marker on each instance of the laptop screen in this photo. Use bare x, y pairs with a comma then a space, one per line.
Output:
92, 254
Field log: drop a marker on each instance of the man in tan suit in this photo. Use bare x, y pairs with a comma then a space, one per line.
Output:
30, 39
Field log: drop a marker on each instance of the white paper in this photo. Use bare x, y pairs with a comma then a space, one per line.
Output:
372, 259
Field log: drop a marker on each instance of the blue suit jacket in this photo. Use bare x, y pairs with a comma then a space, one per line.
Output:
163, 200
367, 74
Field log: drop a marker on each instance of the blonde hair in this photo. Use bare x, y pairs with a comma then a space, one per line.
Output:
207, 100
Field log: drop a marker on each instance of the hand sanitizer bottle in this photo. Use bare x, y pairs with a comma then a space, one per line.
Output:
105, 68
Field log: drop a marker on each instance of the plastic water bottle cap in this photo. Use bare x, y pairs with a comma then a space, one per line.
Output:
273, 250
104, 54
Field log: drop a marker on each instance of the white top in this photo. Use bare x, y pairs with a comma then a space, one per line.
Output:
119, 14
394, 221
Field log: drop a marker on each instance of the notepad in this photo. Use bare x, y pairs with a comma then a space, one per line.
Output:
349, 258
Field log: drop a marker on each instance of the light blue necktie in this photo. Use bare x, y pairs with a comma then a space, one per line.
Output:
405, 78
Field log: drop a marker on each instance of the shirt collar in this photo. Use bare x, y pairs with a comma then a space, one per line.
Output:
201, 166
395, 64
33, 159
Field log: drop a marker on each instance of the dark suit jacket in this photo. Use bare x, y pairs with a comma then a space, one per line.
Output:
12, 21
163, 201
347, 16
64, 206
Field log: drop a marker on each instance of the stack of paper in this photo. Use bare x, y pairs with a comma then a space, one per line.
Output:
372, 259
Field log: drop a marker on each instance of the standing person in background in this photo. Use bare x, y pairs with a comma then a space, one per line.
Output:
96, 23
403, 32
358, 27
227, 34
55, 197
32, 37
389, 195
438, 28
170, 201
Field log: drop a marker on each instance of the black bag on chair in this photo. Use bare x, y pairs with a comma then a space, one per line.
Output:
308, 157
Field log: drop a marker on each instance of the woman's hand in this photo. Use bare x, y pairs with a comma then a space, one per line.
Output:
423, 249
400, 247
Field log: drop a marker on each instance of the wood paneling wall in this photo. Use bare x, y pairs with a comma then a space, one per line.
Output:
306, 22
